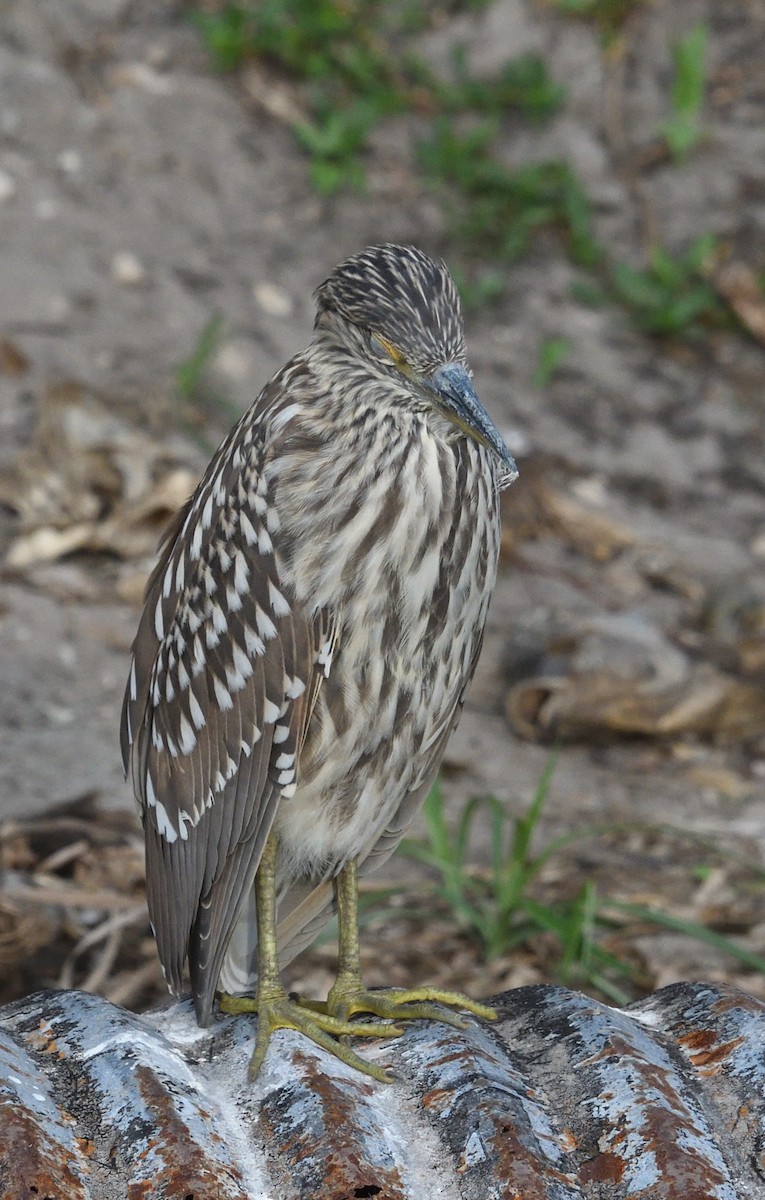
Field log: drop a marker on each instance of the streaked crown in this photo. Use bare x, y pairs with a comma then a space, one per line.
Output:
404, 297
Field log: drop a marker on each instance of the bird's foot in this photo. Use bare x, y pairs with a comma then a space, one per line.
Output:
278, 1011
349, 996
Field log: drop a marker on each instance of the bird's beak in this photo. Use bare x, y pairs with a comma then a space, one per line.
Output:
457, 397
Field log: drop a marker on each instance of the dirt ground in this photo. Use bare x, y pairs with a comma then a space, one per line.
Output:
141, 195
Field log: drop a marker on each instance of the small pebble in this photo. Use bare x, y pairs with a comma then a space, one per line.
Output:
234, 361
7, 186
46, 209
127, 269
591, 490
273, 299
70, 162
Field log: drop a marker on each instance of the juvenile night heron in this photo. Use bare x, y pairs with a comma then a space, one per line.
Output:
308, 635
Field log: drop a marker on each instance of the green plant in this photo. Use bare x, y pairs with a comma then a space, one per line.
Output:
189, 373
196, 399
334, 141
523, 84
682, 131
550, 356
227, 34
494, 210
479, 286
504, 906
701, 933
350, 58
671, 295
609, 15
497, 907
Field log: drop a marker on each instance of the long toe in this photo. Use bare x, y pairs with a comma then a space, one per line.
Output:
402, 1004
322, 1028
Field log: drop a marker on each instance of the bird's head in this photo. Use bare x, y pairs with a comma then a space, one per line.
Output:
400, 311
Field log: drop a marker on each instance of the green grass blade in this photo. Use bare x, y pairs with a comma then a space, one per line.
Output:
693, 929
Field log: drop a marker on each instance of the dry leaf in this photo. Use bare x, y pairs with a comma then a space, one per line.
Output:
740, 287
536, 508
13, 360
622, 678
90, 482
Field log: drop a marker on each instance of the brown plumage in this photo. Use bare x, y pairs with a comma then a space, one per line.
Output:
314, 620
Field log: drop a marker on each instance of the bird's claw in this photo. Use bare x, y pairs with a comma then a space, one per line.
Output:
346, 999
323, 1028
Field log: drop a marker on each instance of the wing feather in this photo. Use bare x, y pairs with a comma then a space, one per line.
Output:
215, 710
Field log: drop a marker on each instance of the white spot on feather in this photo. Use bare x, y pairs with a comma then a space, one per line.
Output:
270, 712
324, 657
248, 529
188, 738
195, 709
286, 414
254, 644
281, 733
235, 680
266, 627
165, 825
207, 512
209, 580
220, 623
242, 663
222, 695
279, 605
159, 624
241, 572
167, 582
233, 599
195, 549
200, 657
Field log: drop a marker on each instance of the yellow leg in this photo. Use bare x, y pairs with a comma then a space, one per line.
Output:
348, 994
274, 1008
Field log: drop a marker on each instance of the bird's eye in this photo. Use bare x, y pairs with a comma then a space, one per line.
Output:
385, 350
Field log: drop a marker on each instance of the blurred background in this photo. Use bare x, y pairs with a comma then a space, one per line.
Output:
175, 180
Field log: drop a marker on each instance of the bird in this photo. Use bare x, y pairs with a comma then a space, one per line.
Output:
308, 635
